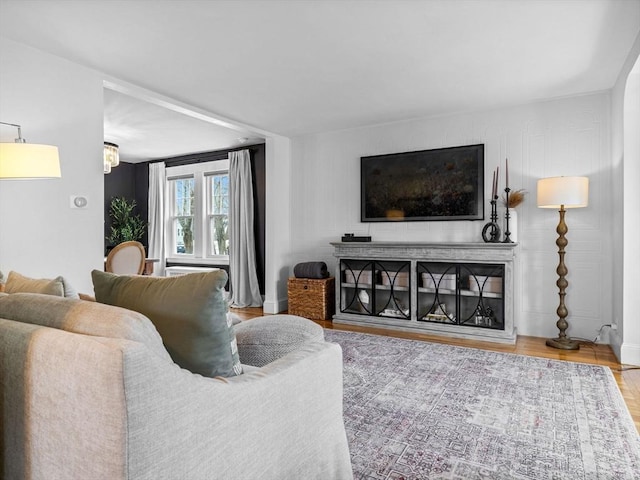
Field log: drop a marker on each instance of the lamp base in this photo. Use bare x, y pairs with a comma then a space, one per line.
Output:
563, 343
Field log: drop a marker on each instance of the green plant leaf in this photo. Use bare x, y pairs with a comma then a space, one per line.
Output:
126, 225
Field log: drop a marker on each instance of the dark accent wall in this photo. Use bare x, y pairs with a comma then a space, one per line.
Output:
120, 183
141, 182
132, 182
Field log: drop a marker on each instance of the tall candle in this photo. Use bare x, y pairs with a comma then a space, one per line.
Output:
506, 164
497, 181
493, 185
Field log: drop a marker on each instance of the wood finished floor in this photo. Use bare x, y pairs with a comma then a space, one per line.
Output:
628, 377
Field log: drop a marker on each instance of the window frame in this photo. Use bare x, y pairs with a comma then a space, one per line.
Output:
209, 213
201, 242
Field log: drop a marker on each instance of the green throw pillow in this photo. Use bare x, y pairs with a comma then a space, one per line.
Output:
189, 312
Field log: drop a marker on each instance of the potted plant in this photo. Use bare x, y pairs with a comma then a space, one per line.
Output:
125, 224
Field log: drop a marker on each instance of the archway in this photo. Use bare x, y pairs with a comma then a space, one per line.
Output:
631, 216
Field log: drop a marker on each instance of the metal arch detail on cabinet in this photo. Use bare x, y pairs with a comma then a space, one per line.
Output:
392, 274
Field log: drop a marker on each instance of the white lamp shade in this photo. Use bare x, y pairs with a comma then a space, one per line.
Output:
29, 160
570, 192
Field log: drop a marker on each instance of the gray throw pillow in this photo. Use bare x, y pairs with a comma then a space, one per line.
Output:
189, 312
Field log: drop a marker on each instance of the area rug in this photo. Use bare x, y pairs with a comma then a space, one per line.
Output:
419, 410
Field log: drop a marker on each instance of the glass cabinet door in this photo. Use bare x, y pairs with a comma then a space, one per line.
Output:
356, 286
461, 294
392, 293
437, 292
481, 302
376, 288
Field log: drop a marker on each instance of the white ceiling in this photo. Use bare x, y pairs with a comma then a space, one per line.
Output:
297, 67
145, 131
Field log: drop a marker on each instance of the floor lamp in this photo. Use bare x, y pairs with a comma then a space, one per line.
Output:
27, 160
562, 193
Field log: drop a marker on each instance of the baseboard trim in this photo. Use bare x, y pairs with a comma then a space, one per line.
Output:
278, 306
630, 354
616, 344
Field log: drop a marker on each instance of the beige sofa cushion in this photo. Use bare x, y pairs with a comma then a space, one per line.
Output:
78, 316
59, 286
189, 311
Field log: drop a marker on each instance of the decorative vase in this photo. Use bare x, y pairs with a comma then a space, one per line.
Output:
513, 224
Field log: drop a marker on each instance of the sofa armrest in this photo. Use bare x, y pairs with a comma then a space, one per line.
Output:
66, 405
283, 420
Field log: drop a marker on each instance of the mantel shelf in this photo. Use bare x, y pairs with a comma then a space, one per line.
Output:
475, 251
499, 245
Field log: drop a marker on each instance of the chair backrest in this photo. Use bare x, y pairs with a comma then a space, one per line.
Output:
126, 258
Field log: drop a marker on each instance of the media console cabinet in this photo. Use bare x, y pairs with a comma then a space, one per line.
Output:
453, 289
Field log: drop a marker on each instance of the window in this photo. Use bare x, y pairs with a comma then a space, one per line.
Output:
184, 211
218, 212
198, 211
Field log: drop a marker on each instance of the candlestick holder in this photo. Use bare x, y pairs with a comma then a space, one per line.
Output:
507, 233
491, 230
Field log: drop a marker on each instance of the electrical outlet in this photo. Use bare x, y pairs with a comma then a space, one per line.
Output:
614, 326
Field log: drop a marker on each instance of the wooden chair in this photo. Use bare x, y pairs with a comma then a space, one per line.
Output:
126, 258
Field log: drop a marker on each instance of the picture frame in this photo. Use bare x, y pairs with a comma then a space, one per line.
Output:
428, 185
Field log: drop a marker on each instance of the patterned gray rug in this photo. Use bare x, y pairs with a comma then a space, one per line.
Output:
418, 410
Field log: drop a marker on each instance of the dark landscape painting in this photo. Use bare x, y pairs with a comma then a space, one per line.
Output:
442, 184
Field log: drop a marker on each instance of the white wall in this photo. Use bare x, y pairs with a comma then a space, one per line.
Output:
563, 137
57, 103
278, 223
